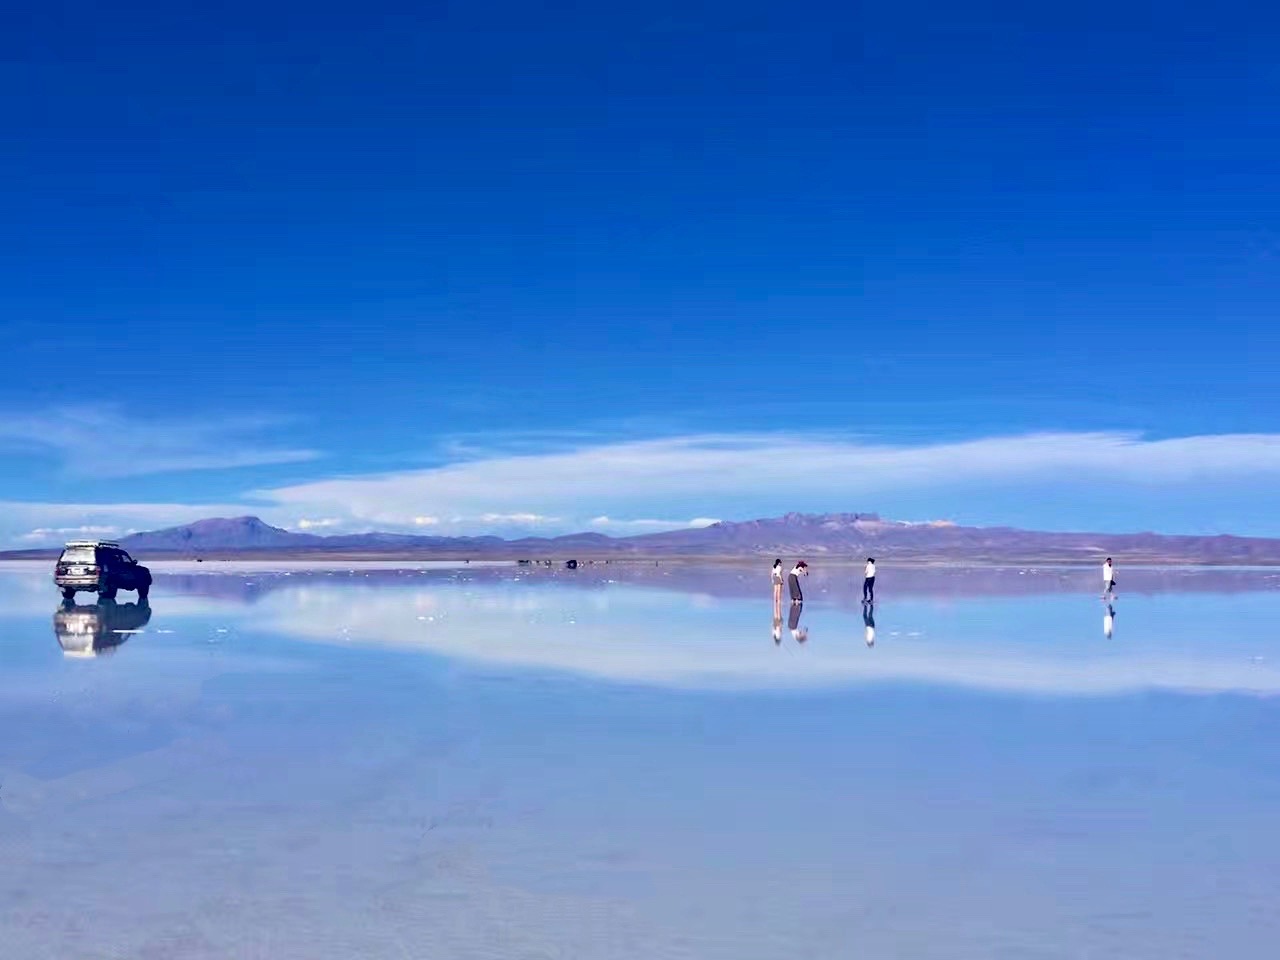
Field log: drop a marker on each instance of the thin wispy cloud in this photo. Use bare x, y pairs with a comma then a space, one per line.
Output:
106, 442
519, 518
645, 525
45, 534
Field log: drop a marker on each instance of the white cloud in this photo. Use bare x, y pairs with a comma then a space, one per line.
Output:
630, 487
320, 524
103, 442
524, 519
46, 534
647, 526
710, 472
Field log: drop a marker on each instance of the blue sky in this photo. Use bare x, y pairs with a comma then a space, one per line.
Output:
509, 267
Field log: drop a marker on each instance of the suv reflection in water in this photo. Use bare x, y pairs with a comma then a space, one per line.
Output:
87, 630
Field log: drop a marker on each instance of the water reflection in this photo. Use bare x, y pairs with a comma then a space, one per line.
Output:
505, 619
249, 583
798, 633
90, 630
219, 786
1109, 621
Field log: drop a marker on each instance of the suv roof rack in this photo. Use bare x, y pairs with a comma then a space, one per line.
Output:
92, 543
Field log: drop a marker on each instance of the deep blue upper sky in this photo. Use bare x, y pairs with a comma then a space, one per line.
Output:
393, 226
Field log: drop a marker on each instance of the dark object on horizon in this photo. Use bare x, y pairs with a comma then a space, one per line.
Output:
101, 567
571, 564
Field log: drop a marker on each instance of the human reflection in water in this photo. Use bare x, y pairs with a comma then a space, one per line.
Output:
798, 633
1109, 621
869, 623
90, 630
777, 627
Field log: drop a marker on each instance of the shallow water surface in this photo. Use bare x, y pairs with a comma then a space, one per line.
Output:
622, 762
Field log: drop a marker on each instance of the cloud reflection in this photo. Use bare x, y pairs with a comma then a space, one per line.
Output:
648, 636
643, 634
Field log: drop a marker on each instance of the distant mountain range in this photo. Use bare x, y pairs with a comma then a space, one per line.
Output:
835, 536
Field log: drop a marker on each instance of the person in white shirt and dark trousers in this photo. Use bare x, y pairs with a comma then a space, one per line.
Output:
801, 569
1108, 579
869, 582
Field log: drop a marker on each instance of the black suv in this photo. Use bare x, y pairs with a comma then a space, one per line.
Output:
101, 567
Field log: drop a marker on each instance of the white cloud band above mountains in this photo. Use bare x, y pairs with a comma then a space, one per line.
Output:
617, 487
613, 482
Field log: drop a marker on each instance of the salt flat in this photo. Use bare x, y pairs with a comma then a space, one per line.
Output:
463, 761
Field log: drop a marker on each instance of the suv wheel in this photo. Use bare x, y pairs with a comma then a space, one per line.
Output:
68, 593
106, 593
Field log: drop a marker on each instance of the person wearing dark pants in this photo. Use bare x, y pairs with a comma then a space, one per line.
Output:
801, 569
869, 581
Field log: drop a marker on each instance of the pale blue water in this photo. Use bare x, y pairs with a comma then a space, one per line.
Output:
504, 762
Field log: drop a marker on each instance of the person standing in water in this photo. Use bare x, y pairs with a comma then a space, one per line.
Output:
1108, 579
869, 581
777, 586
801, 569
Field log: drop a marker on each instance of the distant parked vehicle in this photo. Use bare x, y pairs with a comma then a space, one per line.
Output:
101, 567
90, 631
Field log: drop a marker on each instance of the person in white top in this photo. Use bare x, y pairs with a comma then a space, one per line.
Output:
1108, 579
801, 569
869, 581
777, 586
